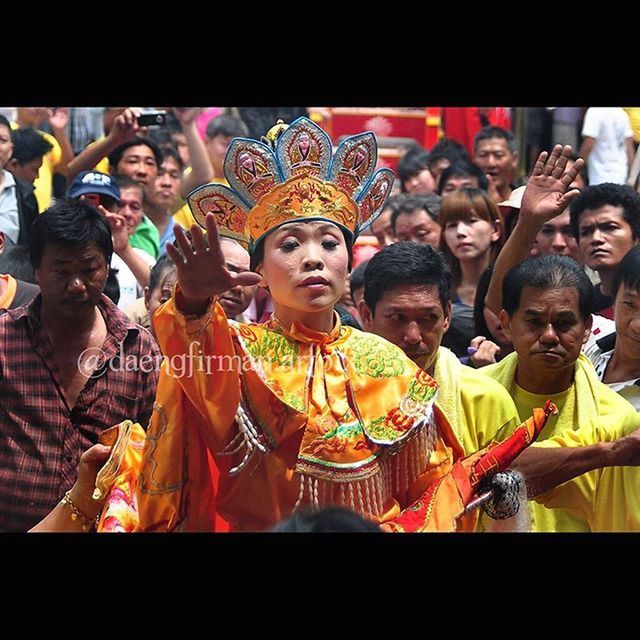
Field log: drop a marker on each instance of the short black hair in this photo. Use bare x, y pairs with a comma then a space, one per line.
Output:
356, 279
415, 160
4, 122
449, 149
463, 169
547, 272
226, 125
326, 520
171, 152
486, 133
395, 201
164, 264
116, 155
608, 193
162, 137
406, 263
427, 202
627, 273
112, 286
71, 222
28, 145
15, 261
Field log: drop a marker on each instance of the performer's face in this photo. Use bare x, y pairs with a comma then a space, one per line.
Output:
305, 265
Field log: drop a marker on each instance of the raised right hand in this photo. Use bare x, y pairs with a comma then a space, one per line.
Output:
125, 127
546, 195
201, 266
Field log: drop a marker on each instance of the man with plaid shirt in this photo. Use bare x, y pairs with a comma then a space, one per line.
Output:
71, 365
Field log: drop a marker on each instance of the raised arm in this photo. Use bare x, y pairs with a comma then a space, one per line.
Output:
545, 197
202, 269
545, 467
125, 127
201, 169
140, 268
194, 336
58, 119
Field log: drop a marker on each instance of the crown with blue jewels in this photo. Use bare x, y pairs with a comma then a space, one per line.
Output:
292, 175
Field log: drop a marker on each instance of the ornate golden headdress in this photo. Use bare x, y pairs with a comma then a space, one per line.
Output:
292, 176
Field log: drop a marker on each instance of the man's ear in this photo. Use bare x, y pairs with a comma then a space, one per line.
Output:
11, 165
146, 298
505, 321
447, 316
365, 315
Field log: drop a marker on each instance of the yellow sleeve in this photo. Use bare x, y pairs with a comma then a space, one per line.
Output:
489, 411
617, 501
44, 182
184, 217
577, 496
618, 417
103, 165
55, 155
200, 355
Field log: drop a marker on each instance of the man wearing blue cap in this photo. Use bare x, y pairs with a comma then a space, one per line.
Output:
133, 265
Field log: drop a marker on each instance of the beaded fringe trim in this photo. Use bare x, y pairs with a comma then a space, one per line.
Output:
370, 497
247, 438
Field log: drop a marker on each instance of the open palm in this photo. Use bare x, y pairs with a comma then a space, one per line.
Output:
201, 266
546, 195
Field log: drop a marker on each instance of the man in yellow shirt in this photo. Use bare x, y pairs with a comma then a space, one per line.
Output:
545, 309
407, 301
547, 315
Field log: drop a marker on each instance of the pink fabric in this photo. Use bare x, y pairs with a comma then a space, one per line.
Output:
203, 119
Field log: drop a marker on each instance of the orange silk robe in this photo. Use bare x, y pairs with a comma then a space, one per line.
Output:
293, 417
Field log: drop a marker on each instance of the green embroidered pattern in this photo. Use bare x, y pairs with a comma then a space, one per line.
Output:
350, 431
421, 392
391, 427
376, 359
336, 440
293, 401
274, 347
383, 430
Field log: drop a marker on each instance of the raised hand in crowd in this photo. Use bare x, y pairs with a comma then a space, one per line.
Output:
546, 196
202, 269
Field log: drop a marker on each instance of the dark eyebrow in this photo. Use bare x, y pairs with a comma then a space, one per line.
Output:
328, 227
566, 313
236, 268
293, 228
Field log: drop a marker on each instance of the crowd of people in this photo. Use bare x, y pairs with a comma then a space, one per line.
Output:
192, 339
